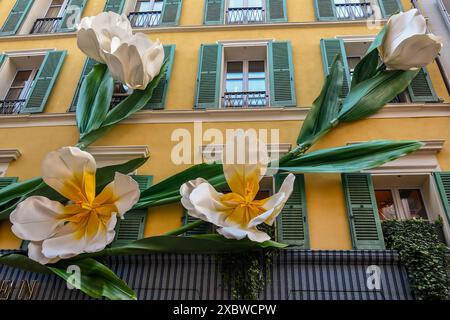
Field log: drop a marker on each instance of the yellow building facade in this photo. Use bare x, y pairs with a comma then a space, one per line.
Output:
306, 30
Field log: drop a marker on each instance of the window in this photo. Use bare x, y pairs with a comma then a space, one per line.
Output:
56, 9
353, 9
18, 74
245, 79
121, 91
51, 21
245, 11
407, 196
147, 13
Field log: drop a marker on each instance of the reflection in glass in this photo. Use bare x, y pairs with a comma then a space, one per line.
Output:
385, 203
413, 203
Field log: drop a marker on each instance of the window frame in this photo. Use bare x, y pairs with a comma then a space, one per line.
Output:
152, 4
61, 11
31, 78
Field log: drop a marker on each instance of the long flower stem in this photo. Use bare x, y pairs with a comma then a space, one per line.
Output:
185, 228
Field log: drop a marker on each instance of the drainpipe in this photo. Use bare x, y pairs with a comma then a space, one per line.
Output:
438, 59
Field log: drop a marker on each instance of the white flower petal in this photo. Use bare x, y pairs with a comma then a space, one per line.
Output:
256, 221
232, 233
278, 200
35, 253
36, 218
257, 236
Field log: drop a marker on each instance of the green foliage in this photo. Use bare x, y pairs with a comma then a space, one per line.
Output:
424, 257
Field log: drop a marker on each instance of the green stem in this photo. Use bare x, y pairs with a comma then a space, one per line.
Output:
185, 228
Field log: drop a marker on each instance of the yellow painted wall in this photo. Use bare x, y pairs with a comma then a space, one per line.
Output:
327, 217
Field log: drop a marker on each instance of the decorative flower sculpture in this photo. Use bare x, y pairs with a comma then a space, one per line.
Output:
132, 59
237, 213
86, 223
406, 45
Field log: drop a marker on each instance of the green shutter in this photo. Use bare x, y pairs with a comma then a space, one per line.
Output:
144, 182
24, 245
114, 6
421, 89
330, 49
276, 10
325, 10
6, 181
208, 79
292, 223
282, 86
88, 65
443, 184
16, 17
205, 228
214, 10
2, 59
362, 210
44, 81
131, 228
390, 7
68, 15
159, 94
171, 12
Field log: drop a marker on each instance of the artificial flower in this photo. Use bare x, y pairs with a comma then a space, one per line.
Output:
406, 45
86, 223
132, 59
237, 214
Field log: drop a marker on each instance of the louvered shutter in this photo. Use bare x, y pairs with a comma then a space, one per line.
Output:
208, 79
69, 20
88, 66
443, 184
292, 223
144, 182
390, 7
6, 181
132, 227
159, 94
205, 228
171, 12
44, 81
362, 211
16, 17
214, 11
282, 87
114, 6
421, 89
330, 49
276, 10
325, 10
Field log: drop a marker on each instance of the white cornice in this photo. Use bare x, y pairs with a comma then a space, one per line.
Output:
112, 153
8, 155
222, 115
203, 28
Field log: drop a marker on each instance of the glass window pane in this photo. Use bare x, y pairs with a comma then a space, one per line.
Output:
257, 85
13, 94
236, 3
234, 86
413, 203
256, 66
21, 78
158, 6
385, 203
255, 3
143, 6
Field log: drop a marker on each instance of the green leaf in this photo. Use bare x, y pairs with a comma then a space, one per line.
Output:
97, 280
132, 104
373, 94
325, 108
200, 244
88, 101
352, 158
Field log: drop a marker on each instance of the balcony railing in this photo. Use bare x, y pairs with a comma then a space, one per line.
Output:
116, 99
144, 19
46, 25
245, 99
11, 106
353, 11
245, 15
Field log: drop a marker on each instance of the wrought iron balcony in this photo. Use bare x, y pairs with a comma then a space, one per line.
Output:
353, 11
11, 106
245, 99
46, 25
245, 15
116, 99
144, 19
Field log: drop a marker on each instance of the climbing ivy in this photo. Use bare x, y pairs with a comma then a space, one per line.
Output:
423, 255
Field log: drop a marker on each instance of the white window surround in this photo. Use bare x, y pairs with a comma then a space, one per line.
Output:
6, 157
113, 155
423, 160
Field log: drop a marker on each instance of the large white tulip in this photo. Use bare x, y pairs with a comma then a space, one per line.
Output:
86, 223
406, 45
132, 59
237, 214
